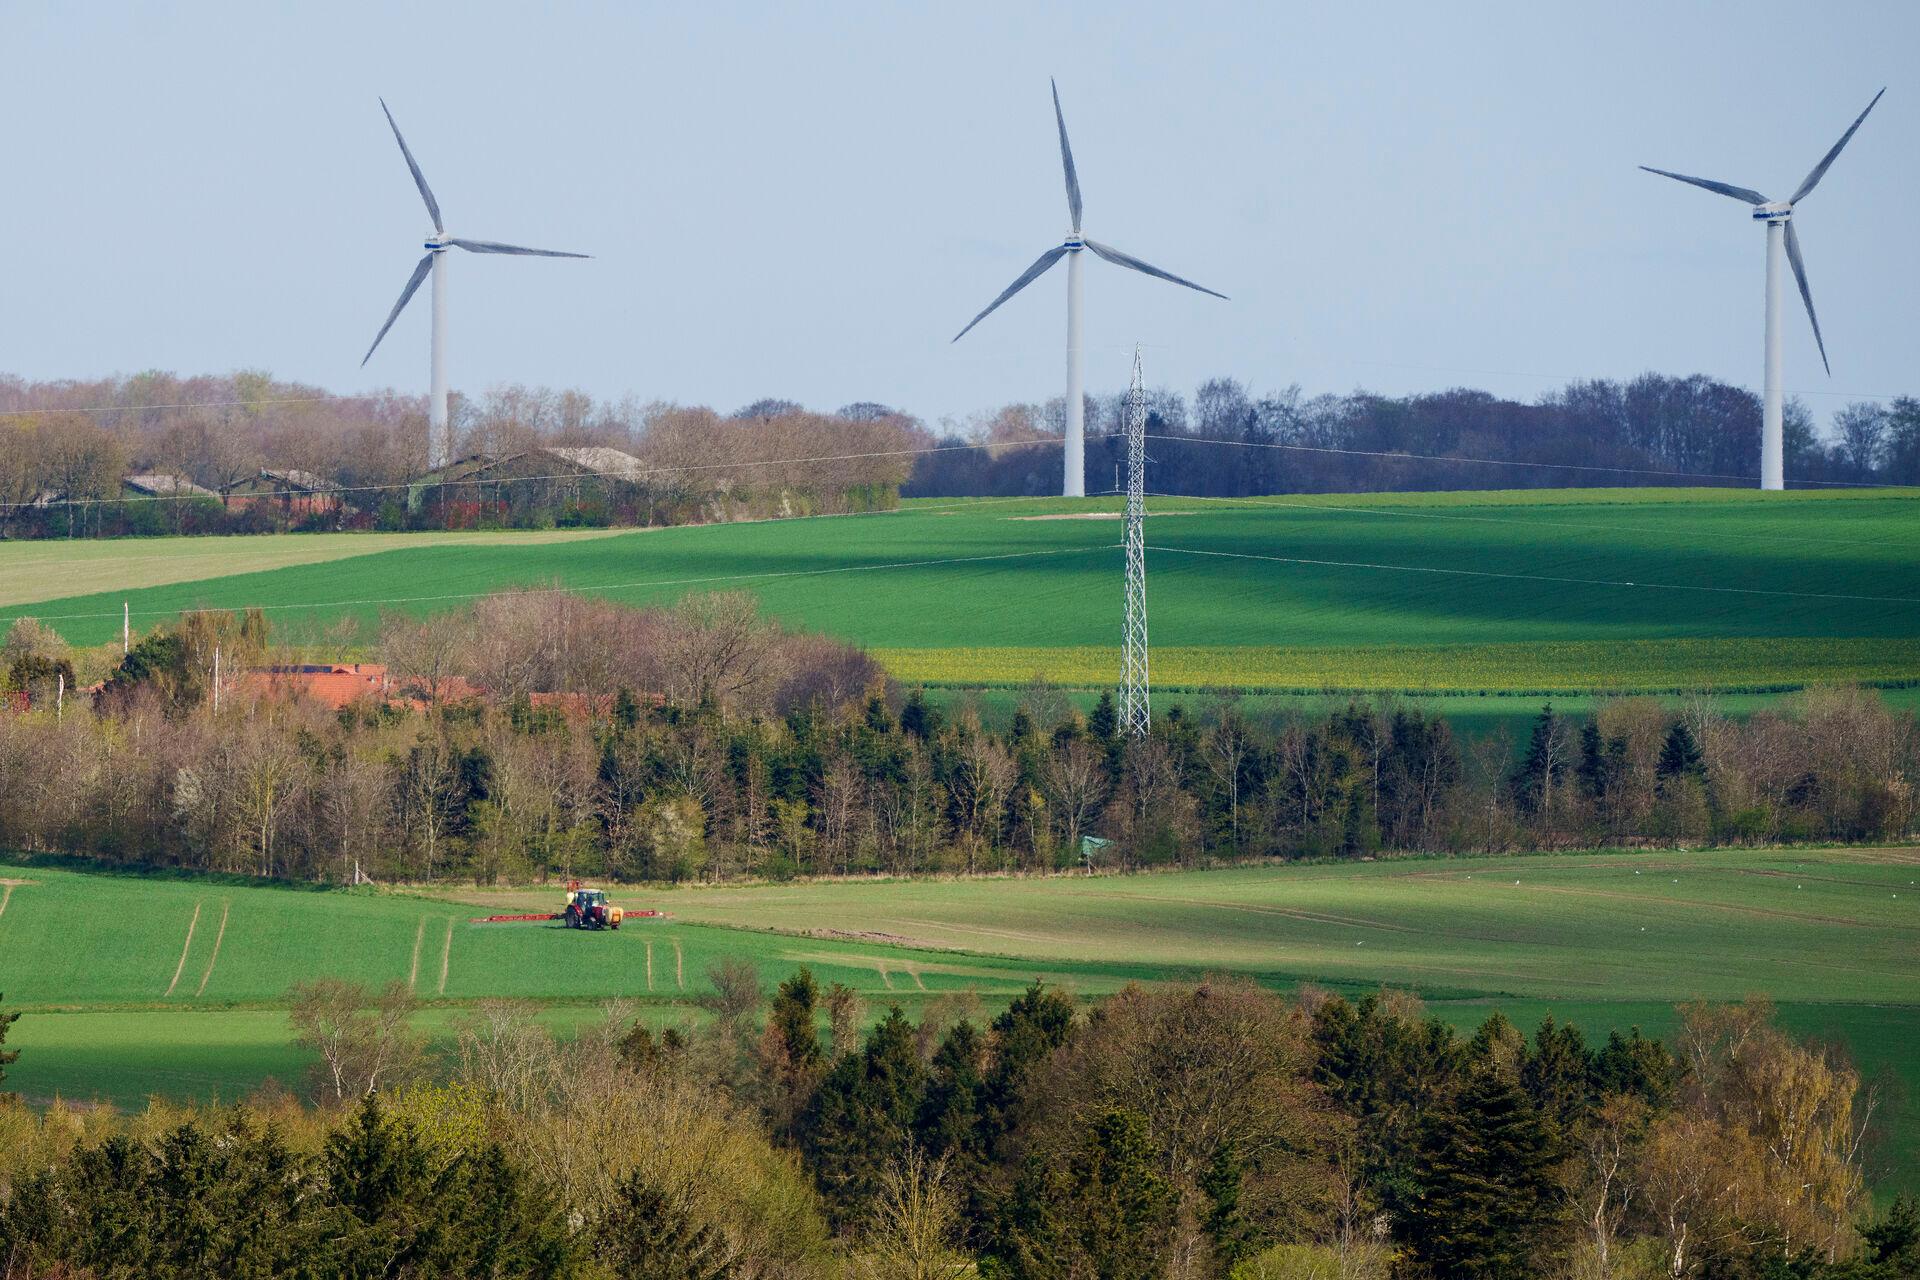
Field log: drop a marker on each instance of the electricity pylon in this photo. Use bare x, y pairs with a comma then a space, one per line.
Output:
1134, 716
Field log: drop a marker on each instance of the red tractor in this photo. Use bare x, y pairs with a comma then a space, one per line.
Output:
589, 909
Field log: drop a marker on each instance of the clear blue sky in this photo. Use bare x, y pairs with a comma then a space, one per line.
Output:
810, 200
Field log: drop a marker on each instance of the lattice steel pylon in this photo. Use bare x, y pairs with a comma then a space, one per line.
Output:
1135, 718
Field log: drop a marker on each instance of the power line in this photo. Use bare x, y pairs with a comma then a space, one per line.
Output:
590, 588
200, 404
1536, 577
1571, 378
501, 481
1508, 462
1265, 502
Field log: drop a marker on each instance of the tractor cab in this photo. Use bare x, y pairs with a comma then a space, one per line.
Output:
589, 909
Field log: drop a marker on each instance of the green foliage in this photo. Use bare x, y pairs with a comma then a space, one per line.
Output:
1679, 755
1557, 1074
1487, 1204
1637, 1067
236, 1203
948, 1124
794, 1019
861, 1117
1107, 1210
647, 1236
7, 1056
407, 1206
1033, 1026
1233, 1237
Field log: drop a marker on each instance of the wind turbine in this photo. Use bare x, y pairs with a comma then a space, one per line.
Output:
1075, 484
1778, 215
439, 445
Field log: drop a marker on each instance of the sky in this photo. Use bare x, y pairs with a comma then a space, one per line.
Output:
809, 201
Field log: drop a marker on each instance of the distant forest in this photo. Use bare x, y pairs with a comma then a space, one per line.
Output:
66, 449
1228, 442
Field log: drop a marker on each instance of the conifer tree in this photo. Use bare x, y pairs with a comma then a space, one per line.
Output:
1487, 1204
861, 1116
646, 1236
1034, 1025
1679, 755
1106, 1210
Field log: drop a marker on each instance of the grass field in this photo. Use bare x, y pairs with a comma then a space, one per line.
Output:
136, 985
1641, 589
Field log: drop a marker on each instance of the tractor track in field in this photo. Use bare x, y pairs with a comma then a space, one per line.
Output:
679, 966
649, 946
413, 970
218, 937
1765, 913
446, 958
185, 947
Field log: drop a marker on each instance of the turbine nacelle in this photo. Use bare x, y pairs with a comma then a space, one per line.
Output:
1779, 213
1074, 242
438, 243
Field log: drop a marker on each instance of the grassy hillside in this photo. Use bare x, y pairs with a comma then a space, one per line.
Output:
132, 986
1649, 589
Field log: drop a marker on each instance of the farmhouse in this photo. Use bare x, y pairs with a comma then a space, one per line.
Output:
293, 492
332, 685
339, 685
547, 477
162, 485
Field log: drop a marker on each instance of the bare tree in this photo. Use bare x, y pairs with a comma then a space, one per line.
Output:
915, 1229
365, 1042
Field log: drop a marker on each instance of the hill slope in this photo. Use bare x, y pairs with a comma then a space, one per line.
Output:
1649, 589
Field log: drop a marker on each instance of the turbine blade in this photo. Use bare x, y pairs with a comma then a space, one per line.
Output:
419, 179
1066, 160
1820, 170
1806, 293
1027, 277
1120, 259
494, 246
1738, 193
413, 282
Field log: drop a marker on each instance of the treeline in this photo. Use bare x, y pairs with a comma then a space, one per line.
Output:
66, 447
1220, 1132
1229, 442
540, 734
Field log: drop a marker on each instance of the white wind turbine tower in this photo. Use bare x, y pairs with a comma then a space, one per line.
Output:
439, 442
1075, 483
1778, 215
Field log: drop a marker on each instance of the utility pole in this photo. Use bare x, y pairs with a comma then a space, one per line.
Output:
1134, 716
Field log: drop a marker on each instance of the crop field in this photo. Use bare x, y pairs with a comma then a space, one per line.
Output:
1494, 592
135, 985
27, 568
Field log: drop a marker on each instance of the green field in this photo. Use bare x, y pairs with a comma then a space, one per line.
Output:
1530, 591
132, 986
